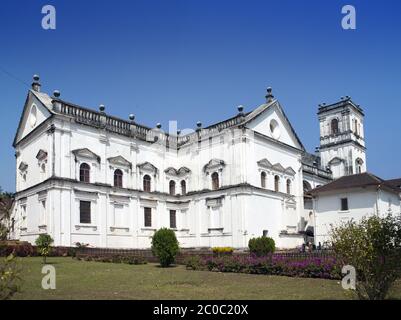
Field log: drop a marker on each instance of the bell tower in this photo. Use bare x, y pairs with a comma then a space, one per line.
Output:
342, 137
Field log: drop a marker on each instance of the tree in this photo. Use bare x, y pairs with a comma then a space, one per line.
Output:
6, 201
165, 246
10, 277
373, 248
44, 242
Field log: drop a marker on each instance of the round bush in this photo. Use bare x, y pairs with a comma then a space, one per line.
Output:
261, 246
165, 246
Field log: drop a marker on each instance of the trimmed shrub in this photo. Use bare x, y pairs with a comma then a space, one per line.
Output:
44, 242
261, 246
23, 249
165, 246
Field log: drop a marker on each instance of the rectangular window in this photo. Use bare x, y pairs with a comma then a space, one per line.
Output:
173, 219
148, 217
344, 204
85, 212
119, 216
43, 214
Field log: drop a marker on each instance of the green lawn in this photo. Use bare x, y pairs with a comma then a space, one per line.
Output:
95, 280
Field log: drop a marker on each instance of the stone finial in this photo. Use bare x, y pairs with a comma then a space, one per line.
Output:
36, 84
56, 94
102, 108
131, 117
178, 132
269, 95
240, 110
158, 125
199, 124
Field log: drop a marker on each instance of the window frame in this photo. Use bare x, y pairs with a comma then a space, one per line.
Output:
288, 186
82, 213
147, 217
344, 204
172, 188
173, 214
84, 173
263, 179
215, 181
334, 129
118, 178
183, 184
147, 183
276, 183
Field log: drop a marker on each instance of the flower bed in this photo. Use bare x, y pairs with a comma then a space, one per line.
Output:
308, 267
134, 260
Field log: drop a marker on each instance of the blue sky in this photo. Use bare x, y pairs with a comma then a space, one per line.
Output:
196, 60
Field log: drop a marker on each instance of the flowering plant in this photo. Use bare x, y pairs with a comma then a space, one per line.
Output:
273, 264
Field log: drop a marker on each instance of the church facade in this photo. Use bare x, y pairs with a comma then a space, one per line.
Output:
85, 176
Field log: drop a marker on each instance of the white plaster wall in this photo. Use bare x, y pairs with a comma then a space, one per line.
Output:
361, 203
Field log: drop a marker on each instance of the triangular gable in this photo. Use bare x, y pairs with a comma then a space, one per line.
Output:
265, 163
86, 153
278, 167
214, 164
290, 171
120, 160
147, 166
259, 120
43, 106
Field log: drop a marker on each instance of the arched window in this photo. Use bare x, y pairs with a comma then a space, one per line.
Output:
84, 173
334, 126
358, 165
118, 178
277, 183
183, 187
172, 187
146, 183
356, 126
215, 181
307, 186
289, 186
263, 179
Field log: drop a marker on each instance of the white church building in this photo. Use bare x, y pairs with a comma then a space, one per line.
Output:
85, 176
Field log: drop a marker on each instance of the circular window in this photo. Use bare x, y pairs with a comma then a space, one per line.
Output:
33, 116
275, 129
